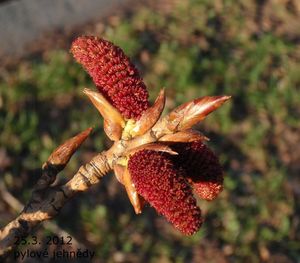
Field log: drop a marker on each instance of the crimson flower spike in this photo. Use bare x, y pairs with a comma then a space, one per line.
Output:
164, 187
159, 160
113, 74
202, 168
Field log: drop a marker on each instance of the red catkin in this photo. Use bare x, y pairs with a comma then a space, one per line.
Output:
202, 168
113, 73
164, 187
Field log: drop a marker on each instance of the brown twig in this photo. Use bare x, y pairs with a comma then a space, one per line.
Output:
17, 206
47, 200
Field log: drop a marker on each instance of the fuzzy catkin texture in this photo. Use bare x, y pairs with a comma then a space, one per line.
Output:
113, 73
202, 168
164, 187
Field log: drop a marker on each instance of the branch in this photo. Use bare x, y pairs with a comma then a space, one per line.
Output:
17, 206
150, 132
46, 200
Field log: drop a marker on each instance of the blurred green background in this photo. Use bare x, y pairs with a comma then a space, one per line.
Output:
248, 49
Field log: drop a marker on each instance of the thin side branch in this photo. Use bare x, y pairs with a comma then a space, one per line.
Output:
47, 200
17, 206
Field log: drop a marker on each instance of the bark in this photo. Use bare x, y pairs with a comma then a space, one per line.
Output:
46, 204
47, 199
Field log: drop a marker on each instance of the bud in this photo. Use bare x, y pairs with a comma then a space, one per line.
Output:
119, 172
190, 113
150, 116
132, 192
113, 120
184, 136
62, 154
155, 146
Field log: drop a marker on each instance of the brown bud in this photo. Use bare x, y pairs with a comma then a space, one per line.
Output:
150, 116
62, 154
131, 192
155, 146
112, 130
113, 120
190, 113
184, 136
119, 172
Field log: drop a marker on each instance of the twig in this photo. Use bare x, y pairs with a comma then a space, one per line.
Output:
17, 206
46, 200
